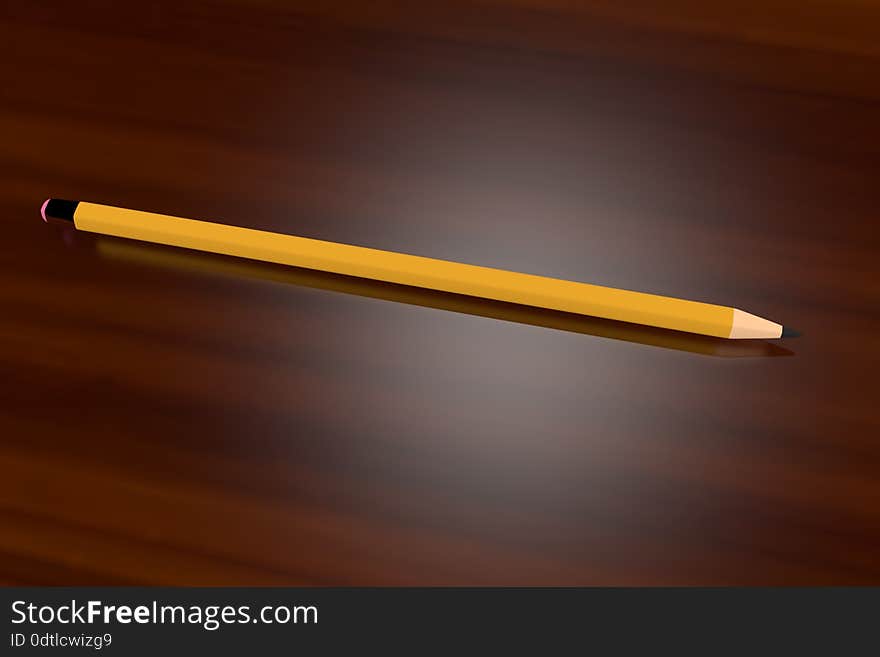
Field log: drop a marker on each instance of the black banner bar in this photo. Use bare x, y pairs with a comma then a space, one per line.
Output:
148, 621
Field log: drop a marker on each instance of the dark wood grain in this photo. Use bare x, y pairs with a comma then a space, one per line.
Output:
175, 418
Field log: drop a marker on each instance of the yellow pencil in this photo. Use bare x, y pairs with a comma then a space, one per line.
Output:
443, 275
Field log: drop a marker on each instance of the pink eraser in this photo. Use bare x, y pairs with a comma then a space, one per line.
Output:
43, 209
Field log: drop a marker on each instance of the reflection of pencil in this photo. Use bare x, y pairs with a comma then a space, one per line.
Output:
484, 282
130, 251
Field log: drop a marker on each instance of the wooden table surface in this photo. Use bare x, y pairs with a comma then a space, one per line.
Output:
174, 418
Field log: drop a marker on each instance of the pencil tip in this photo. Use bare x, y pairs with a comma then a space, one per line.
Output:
790, 333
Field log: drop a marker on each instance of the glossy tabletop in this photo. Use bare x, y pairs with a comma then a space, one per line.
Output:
168, 417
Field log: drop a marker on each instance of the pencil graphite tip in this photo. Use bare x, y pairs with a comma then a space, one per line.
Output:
790, 333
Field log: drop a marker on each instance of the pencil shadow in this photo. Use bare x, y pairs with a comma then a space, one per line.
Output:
191, 261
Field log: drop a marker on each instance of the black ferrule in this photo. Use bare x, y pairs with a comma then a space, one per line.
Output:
59, 208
